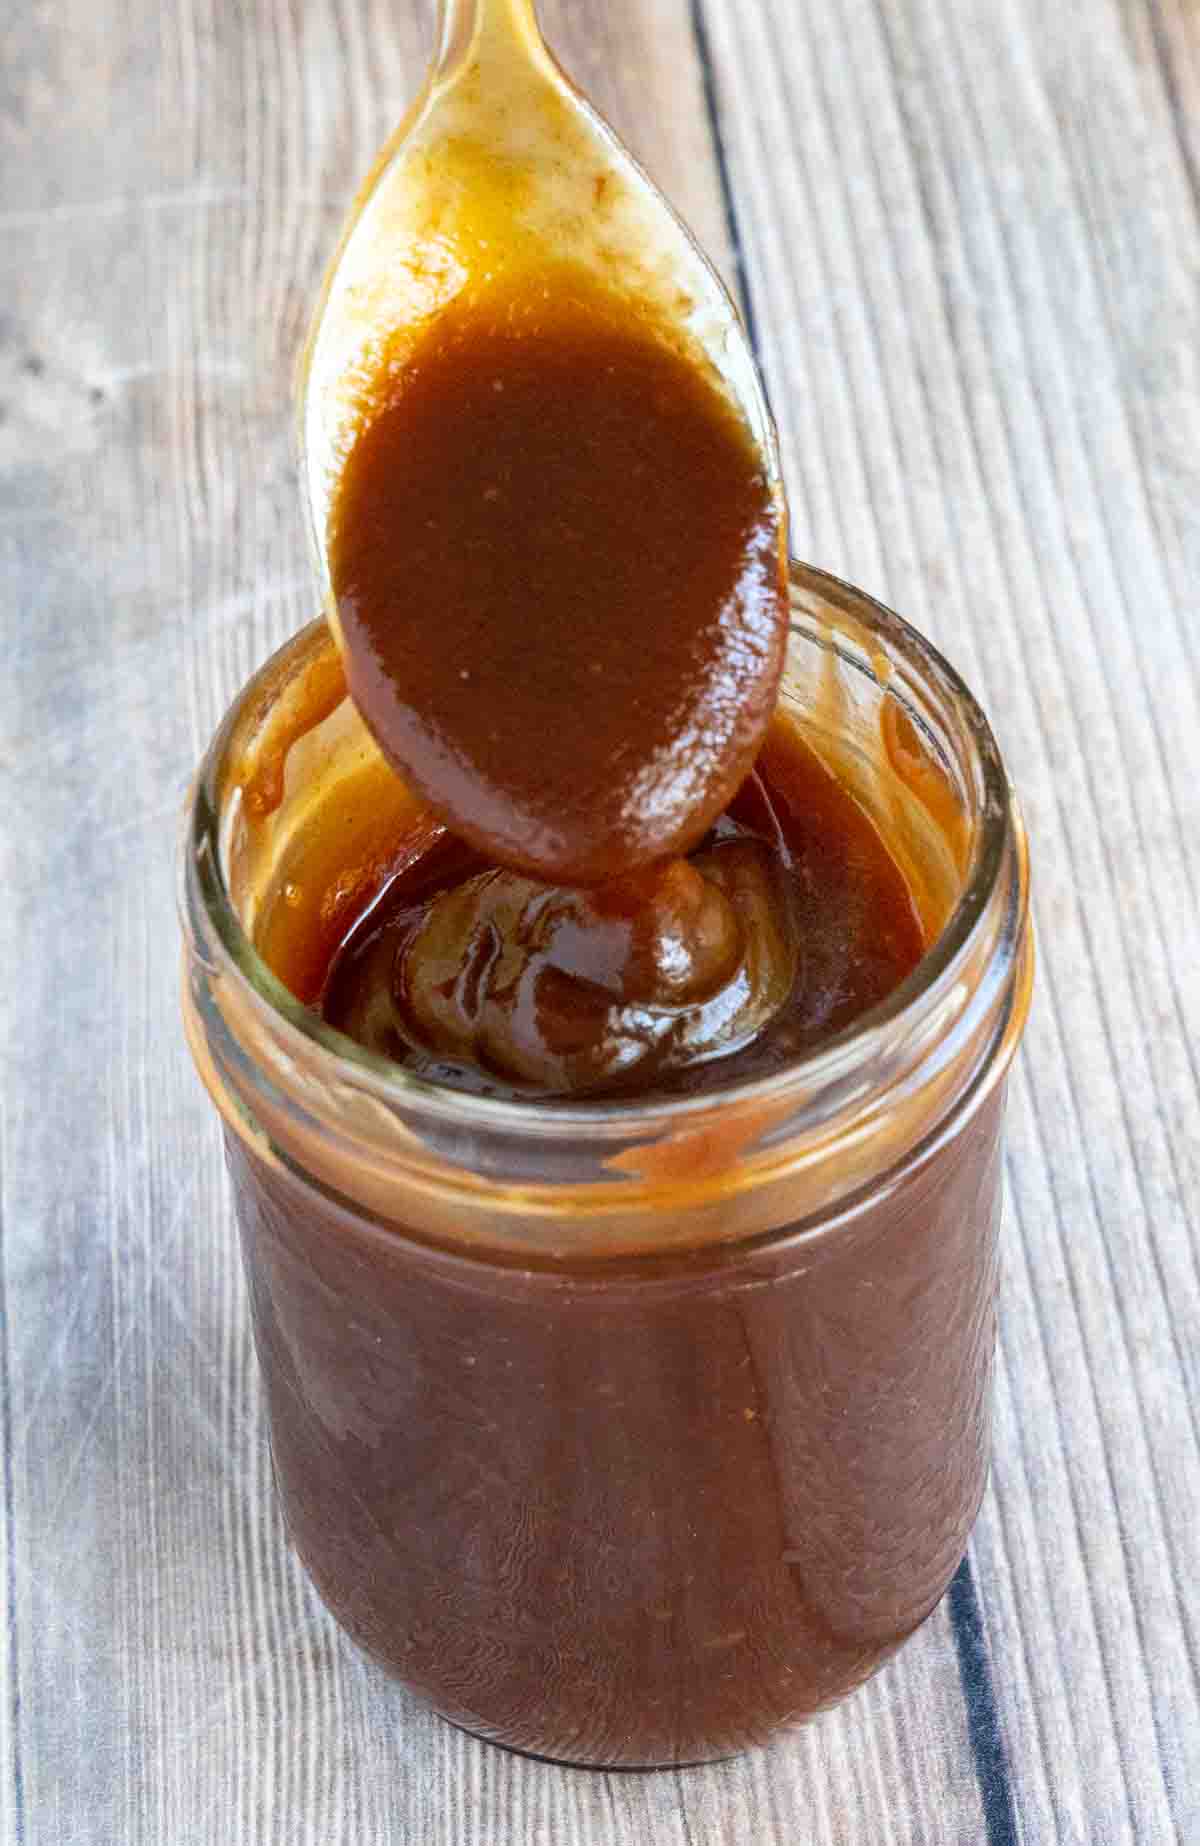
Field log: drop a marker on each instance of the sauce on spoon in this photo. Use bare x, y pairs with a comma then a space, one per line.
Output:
556, 557
542, 476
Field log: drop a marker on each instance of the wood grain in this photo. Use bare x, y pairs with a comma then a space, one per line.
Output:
968, 231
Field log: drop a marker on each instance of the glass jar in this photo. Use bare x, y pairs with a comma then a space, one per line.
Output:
627, 1433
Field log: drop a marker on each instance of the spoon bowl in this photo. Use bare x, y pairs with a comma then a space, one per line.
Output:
500, 168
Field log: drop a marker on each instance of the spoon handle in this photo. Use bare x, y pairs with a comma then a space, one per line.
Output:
464, 25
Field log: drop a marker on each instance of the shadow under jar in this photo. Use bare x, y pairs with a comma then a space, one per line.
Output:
629, 1432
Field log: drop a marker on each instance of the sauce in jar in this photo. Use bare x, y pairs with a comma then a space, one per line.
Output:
621, 1441
626, 1358
788, 922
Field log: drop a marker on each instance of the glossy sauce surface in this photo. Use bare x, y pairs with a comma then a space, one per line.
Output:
558, 568
788, 922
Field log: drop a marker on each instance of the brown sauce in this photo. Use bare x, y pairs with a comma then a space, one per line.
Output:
631, 1516
788, 922
558, 568
647, 1509
646, 1515
615, 1506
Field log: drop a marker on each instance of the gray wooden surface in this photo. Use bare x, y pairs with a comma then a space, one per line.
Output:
968, 230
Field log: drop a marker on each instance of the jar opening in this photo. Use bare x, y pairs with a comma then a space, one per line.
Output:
920, 692
845, 1112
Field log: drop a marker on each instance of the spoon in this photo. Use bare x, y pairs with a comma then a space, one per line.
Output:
500, 170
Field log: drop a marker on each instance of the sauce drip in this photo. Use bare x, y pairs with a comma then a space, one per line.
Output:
558, 569
787, 923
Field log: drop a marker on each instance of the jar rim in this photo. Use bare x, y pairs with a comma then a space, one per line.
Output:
226, 948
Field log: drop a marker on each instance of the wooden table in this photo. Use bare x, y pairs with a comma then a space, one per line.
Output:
966, 236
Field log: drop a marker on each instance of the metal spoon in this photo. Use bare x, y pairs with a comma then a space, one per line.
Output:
499, 164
